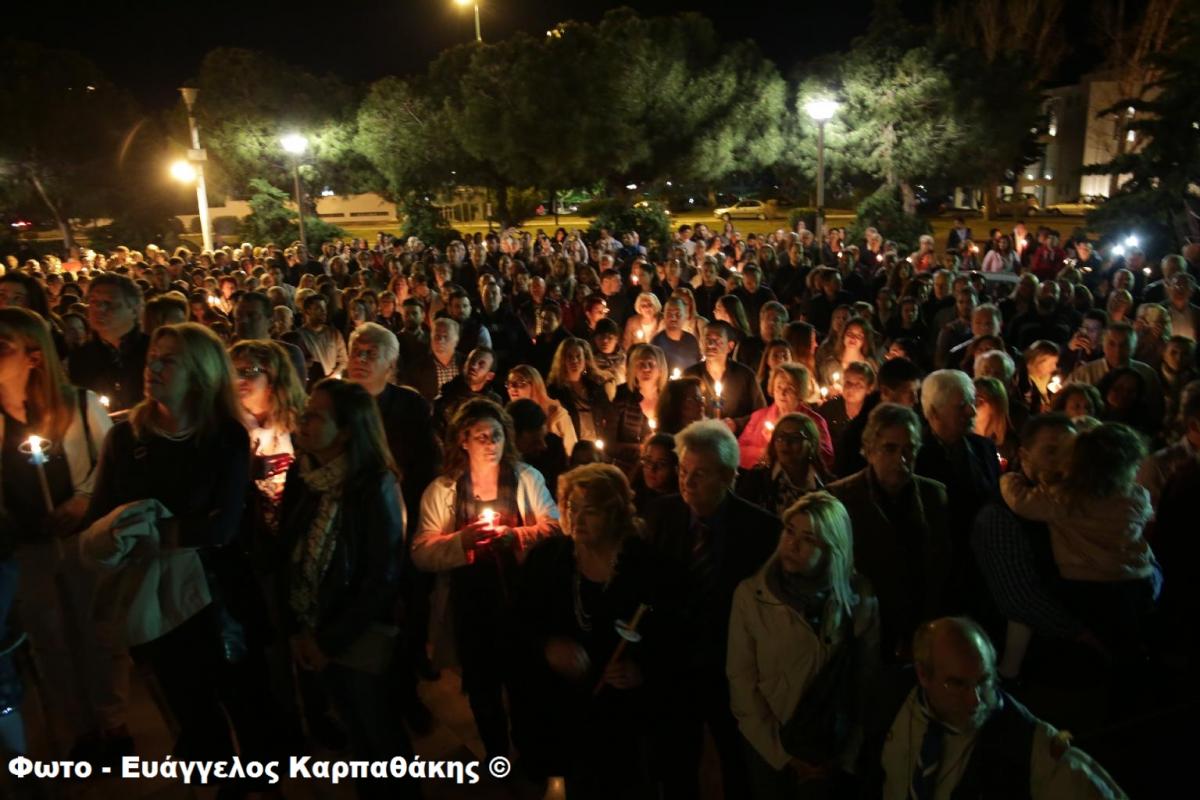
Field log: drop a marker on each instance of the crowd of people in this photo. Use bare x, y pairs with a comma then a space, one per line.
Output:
740, 485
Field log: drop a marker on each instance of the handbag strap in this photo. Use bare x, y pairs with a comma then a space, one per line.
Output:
81, 395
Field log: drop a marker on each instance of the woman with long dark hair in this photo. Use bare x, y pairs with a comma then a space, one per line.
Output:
477, 521
343, 527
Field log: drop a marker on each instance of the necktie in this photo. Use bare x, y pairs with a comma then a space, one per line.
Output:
704, 563
929, 761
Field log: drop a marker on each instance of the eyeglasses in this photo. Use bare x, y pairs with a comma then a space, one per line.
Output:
658, 466
515, 383
250, 373
984, 688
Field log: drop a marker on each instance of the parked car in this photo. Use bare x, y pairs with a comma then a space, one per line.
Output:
1015, 205
748, 209
1077, 208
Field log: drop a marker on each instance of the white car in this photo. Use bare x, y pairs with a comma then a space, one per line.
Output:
747, 209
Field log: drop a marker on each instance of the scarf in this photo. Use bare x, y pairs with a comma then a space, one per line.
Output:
313, 553
805, 595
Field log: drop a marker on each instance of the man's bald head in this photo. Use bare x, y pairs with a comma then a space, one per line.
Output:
956, 667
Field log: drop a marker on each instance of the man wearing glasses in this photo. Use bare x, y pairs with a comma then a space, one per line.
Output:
959, 735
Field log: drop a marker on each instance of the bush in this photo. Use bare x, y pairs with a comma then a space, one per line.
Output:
272, 221
651, 222
883, 211
422, 219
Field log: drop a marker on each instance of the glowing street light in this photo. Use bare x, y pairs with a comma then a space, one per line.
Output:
821, 110
478, 35
182, 171
297, 145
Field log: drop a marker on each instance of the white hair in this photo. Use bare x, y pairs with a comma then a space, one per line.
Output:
944, 386
1006, 364
715, 437
381, 337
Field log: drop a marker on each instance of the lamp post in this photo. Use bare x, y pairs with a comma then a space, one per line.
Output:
478, 35
196, 158
821, 111
297, 144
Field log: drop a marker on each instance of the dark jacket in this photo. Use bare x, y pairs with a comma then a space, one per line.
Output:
453, 395
741, 395
601, 406
627, 429
116, 372
905, 555
363, 579
745, 536
407, 423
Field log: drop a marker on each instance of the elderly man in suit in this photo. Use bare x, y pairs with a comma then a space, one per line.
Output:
710, 540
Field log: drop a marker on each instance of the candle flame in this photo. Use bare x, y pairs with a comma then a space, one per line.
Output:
104, 401
35, 443
676, 374
837, 377
824, 391
641, 334
1054, 385
653, 424
488, 516
770, 426
719, 387
600, 445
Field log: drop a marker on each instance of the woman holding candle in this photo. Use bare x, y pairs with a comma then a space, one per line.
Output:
1040, 380
857, 382
525, 383
992, 421
40, 505
642, 326
343, 530
857, 343
657, 474
635, 408
789, 385
582, 388
176, 471
477, 552
579, 699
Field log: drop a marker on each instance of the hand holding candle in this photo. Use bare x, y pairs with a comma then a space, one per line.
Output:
36, 447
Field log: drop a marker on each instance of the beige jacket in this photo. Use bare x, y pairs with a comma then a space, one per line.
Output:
774, 656
1100, 540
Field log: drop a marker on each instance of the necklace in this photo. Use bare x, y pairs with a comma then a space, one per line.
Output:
582, 617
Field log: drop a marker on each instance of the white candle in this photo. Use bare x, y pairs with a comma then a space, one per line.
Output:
719, 387
37, 447
104, 401
488, 517
1054, 385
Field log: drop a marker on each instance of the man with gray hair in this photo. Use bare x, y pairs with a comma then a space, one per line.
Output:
958, 734
709, 541
901, 527
964, 462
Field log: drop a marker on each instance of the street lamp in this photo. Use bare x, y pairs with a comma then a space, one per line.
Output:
478, 35
196, 158
297, 144
821, 111
182, 171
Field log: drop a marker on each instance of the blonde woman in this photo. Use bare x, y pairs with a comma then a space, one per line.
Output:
582, 388
272, 398
525, 383
645, 324
634, 411
806, 614
56, 591
180, 466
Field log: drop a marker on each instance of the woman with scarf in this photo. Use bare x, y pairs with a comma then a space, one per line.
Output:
803, 652
792, 466
343, 529
477, 522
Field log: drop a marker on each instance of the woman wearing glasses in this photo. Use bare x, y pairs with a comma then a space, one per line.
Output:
791, 468
582, 709
478, 520
657, 473
525, 383
803, 652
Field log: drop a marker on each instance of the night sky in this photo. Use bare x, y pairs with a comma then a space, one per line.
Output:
151, 48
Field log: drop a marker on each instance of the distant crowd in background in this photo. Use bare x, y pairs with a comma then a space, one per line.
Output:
847, 507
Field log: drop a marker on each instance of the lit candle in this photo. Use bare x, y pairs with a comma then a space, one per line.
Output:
837, 377
676, 374
600, 446
634, 278
36, 447
770, 426
879, 257
212, 301
1054, 385
653, 424
1145, 270
824, 392
488, 517
641, 334
104, 401
719, 387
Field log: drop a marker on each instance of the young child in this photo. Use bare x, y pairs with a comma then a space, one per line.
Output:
1097, 517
